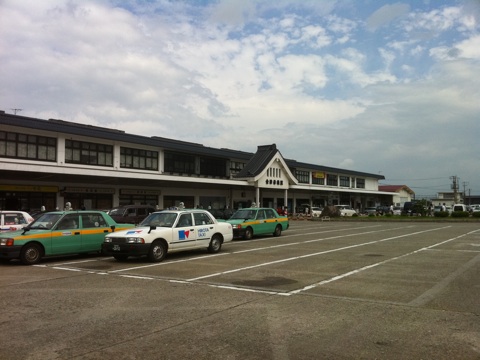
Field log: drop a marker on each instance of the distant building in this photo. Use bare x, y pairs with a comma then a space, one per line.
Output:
401, 193
447, 198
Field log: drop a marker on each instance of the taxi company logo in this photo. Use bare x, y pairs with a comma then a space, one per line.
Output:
182, 234
134, 232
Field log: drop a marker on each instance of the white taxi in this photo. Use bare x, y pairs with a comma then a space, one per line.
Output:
14, 220
168, 231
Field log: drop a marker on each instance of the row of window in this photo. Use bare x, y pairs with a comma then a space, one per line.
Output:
318, 178
22, 146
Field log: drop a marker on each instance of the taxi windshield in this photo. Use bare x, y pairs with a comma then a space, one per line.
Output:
244, 214
161, 219
45, 222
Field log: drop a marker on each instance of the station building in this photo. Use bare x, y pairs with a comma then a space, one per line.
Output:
51, 162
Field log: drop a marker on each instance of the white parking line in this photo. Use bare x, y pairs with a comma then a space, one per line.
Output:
315, 254
250, 250
356, 271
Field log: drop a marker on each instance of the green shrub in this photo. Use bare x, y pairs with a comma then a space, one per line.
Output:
441, 214
476, 214
460, 214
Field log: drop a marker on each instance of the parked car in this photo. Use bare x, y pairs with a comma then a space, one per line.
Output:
397, 210
316, 211
459, 207
345, 210
58, 233
370, 211
249, 222
475, 208
414, 207
168, 231
14, 220
133, 214
222, 214
383, 210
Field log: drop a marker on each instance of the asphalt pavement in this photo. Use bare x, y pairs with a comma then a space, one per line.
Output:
323, 290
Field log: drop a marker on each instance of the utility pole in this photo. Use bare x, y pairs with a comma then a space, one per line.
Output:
465, 183
455, 188
15, 111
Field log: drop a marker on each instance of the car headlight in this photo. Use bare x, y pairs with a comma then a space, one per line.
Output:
135, 240
108, 240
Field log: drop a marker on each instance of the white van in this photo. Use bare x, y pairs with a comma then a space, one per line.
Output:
459, 207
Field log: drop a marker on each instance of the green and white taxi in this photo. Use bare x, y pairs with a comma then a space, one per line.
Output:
58, 233
169, 231
257, 221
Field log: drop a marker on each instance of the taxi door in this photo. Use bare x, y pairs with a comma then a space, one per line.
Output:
263, 226
272, 220
183, 235
66, 236
94, 228
204, 228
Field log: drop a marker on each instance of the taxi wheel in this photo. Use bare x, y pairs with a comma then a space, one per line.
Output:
215, 244
31, 254
157, 251
248, 233
278, 231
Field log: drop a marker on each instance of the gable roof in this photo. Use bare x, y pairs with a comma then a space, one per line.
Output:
395, 188
258, 162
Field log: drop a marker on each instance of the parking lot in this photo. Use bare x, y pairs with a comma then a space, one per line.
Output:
323, 290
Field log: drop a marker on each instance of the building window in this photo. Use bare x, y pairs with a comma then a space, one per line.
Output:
79, 152
213, 166
344, 181
32, 147
360, 183
179, 163
236, 167
332, 180
138, 159
302, 176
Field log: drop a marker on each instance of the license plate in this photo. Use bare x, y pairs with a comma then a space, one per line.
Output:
116, 247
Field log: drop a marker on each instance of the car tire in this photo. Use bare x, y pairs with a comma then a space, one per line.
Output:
157, 251
278, 231
248, 233
215, 244
120, 257
31, 254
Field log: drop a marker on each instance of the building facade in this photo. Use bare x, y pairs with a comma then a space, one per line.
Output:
402, 194
51, 162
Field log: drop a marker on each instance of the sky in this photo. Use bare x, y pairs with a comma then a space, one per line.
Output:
383, 87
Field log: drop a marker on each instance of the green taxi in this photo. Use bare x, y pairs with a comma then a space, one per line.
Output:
59, 233
257, 221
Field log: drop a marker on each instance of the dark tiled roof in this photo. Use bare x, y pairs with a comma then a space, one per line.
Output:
293, 164
91, 131
254, 166
258, 162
